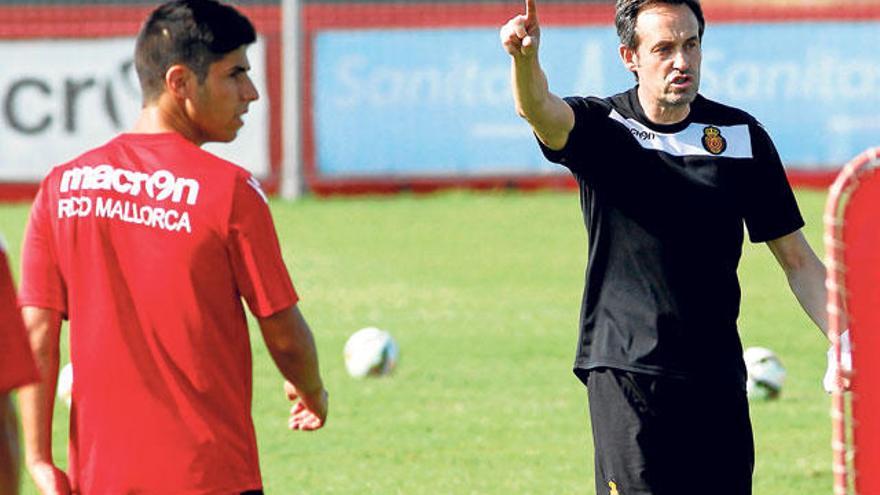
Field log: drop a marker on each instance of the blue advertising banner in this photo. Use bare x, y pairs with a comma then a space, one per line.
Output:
437, 102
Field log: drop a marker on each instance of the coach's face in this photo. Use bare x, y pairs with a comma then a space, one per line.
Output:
219, 102
666, 58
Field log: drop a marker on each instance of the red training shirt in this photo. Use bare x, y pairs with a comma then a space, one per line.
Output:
17, 365
148, 245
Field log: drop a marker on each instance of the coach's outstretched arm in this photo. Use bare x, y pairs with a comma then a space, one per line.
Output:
550, 117
292, 346
37, 401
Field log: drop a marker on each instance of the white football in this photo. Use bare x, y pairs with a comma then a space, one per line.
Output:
65, 384
370, 352
766, 375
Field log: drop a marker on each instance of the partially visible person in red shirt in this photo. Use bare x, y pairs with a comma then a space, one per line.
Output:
17, 368
148, 244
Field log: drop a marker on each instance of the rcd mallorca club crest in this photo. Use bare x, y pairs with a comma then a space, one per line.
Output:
713, 141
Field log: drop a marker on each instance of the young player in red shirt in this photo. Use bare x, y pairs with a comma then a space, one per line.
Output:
147, 245
17, 368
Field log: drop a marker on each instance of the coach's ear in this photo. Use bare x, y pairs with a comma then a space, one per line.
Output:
629, 57
179, 80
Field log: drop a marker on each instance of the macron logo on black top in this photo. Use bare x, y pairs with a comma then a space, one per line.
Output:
697, 139
643, 135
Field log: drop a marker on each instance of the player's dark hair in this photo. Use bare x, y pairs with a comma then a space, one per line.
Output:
195, 33
626, 12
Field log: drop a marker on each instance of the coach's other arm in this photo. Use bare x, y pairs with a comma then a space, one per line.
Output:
806, 277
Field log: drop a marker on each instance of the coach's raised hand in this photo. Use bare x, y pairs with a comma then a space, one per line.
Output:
521, 34
550, 117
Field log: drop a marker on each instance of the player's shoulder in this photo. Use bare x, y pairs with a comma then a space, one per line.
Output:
248, 182
198, 159
167, 151
90, 156
57, 173
227, 175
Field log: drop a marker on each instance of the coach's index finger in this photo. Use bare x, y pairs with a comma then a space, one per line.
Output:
531, 11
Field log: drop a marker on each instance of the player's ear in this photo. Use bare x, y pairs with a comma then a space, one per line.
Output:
178, 79
629, 57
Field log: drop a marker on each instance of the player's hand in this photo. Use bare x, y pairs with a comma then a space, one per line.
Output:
309, 411
521, 34
834, 381
49, 479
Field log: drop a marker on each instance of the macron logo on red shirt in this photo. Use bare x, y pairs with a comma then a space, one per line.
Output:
160, 185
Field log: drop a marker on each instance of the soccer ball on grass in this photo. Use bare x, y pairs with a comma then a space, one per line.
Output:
370, 352
65, 384
766, 375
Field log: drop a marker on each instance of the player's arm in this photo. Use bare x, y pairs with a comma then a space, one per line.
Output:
9, 459
292, 346
37, 400
550, 117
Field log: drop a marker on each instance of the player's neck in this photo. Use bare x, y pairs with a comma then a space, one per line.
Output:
162, 117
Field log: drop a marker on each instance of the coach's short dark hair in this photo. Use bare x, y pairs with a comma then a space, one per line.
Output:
628, 10
195, 33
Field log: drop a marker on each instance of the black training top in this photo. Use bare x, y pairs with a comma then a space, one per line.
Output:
664, 207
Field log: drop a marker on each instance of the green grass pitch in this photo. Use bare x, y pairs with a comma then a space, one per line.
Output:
482, 293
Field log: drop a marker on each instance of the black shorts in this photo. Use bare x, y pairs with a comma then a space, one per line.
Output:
656, 435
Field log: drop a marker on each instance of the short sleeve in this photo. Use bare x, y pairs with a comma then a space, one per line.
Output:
42, 283
259, 269
586, 111
770, 209
17, 367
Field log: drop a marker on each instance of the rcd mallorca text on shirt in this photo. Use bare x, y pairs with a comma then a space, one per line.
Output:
161, 186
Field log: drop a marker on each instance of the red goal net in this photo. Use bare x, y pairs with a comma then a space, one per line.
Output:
852, 242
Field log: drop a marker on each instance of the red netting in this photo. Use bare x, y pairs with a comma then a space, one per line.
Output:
852, 240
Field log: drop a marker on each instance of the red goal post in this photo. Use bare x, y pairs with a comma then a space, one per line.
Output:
852, 247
